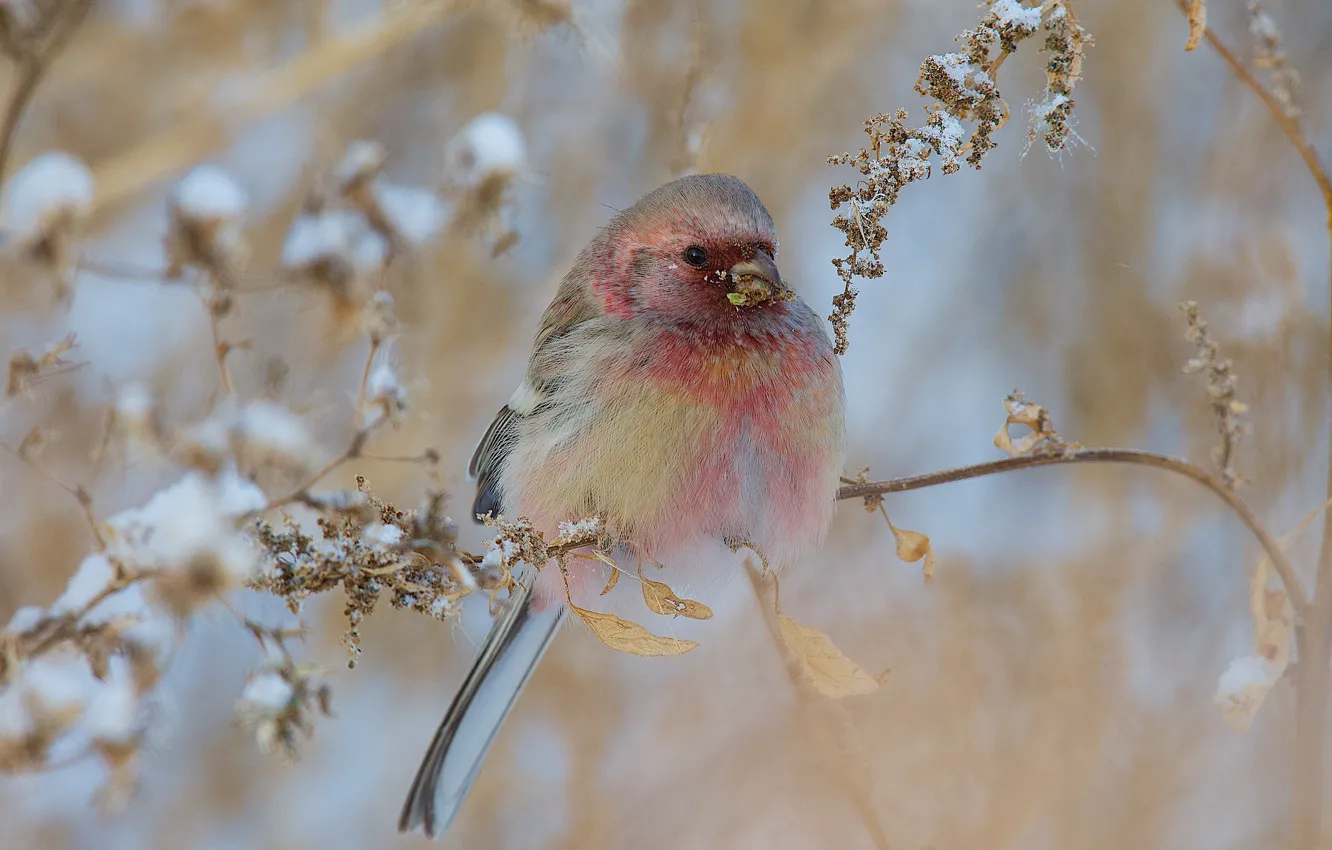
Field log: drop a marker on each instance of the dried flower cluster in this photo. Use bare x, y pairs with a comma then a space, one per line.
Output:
482, 162
78, 678
368, 547
1221, 381
964, 88
45, 208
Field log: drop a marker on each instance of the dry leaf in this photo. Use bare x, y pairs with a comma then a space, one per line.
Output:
626, 636
912, 546
662, 600
1246, 683
1042, 436
614, 573
1197, 23
828, 670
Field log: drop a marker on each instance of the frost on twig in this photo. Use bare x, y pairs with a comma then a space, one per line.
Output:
1051, 113
964, 88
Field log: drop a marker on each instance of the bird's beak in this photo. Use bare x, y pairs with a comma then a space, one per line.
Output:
756, 281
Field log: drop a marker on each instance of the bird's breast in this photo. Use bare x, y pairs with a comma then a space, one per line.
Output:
700, 436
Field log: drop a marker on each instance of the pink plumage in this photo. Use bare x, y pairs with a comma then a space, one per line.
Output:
678, 390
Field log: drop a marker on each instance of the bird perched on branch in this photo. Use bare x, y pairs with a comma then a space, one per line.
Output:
679, 391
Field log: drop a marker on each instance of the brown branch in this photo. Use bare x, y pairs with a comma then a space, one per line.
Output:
1314, 635
1288, 125
78, 493
1298, 598
353, 450
302, 492
31, 70
220, 348
53, 631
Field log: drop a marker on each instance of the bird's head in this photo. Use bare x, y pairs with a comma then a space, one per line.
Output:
700, 248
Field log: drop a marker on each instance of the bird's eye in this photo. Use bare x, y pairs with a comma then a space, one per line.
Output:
695, 256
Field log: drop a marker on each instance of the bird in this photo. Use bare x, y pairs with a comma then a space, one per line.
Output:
679, 391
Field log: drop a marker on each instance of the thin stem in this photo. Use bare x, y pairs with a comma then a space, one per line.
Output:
30, 74
353, 450
54, 630
302, 492
31, 70
1314, 637
78, 493
220, 349
1294, 589
365, 374
1288, 125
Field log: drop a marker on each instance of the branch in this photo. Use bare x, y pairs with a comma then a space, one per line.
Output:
31, 70
1288, 125
1314, 636
78, 492
358, 440
1299, 600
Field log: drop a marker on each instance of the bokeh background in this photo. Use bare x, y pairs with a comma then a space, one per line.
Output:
1051, 689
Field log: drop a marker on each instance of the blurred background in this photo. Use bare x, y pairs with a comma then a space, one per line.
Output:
1051, 689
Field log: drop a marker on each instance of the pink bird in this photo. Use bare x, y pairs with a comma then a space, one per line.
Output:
678, 390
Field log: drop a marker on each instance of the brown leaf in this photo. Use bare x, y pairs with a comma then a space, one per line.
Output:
662, 600
1197, 23
615, 570
912, 546
626, 636
828, 670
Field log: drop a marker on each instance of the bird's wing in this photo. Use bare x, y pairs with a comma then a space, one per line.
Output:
570, 308
488, 459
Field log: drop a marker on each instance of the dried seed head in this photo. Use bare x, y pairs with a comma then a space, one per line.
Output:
206, 210
46, 206
53, 192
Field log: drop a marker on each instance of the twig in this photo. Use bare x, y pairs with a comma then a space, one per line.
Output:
78, 493
1288, 125
365, 374
220, 349
1298, 598
302, 492
353, 450
1313, 635
31, 70
53, 630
